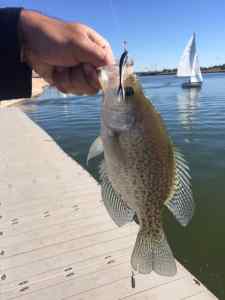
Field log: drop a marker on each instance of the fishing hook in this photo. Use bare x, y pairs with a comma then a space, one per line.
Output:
122, 63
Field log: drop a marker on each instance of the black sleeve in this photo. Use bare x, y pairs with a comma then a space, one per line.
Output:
15, 77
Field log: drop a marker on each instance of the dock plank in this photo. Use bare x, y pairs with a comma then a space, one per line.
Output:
57, 240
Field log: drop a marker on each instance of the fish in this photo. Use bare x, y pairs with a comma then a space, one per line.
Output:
142, 171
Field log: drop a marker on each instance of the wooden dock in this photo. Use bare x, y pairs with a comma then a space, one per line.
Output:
56, 240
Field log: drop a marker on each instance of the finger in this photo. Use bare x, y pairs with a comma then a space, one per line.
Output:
81, 82
103, 43
91, 53
91, 76
72, 80
61, 79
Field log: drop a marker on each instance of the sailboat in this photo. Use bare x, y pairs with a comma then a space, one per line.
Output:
189, 65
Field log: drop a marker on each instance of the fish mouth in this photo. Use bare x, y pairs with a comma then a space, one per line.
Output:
112, 77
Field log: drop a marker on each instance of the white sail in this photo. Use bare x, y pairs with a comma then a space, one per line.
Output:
196, 75
186, 61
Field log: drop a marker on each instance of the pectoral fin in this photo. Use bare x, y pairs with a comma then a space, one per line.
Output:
181, 204
117, 209
96, 149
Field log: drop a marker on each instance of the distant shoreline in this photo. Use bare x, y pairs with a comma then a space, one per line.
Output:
219, 69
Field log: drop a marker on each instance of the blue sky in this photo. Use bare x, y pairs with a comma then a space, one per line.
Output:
156, 30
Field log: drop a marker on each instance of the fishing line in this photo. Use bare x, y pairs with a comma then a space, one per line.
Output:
117, 24
119, 29
114, 17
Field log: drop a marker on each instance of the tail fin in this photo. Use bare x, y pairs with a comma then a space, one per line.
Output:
150, 254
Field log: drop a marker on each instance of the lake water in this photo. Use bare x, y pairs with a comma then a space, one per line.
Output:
196, 121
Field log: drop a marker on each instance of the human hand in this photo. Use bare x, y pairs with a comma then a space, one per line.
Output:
66, 55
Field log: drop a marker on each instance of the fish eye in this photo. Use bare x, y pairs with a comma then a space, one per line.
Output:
129, 91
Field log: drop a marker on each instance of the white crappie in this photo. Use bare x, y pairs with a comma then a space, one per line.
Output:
142, 171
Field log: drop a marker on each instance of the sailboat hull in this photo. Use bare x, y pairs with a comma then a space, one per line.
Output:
188, 85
